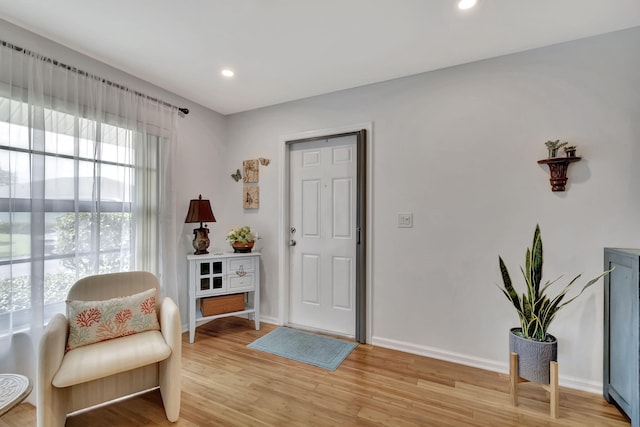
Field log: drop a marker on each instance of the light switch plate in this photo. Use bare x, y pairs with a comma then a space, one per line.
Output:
405, 220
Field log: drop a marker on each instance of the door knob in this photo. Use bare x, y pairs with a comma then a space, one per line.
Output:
292, 242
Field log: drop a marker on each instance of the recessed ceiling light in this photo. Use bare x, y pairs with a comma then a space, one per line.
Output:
466, 4
227, 72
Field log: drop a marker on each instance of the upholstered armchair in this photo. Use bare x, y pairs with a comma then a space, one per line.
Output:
89, 374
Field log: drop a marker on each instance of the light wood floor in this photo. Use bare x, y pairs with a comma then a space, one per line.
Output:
226, 384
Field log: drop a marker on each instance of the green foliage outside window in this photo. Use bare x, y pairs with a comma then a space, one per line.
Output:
73, 235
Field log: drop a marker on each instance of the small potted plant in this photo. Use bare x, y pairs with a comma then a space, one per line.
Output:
242, 239
554, 146
535, 347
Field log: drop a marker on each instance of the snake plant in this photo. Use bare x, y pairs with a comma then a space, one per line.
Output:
535, 309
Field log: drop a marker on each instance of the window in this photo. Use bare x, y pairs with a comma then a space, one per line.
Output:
67, 201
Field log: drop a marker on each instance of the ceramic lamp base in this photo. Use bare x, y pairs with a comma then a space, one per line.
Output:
201, 240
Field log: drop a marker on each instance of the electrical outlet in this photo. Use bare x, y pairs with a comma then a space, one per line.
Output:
405, 220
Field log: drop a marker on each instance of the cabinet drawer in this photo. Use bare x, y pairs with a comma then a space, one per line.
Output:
244, 282
240, 264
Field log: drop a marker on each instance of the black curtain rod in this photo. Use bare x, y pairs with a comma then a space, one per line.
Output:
183, 110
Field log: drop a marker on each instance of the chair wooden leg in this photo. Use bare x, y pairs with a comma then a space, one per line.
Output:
514, 379
554, 395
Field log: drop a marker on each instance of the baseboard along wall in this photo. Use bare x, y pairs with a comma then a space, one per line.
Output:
477, 362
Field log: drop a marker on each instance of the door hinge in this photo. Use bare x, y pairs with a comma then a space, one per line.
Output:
358, 231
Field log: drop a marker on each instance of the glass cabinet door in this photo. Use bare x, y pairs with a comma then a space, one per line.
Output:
210, 277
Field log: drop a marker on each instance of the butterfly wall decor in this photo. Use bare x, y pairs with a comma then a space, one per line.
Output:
236, 176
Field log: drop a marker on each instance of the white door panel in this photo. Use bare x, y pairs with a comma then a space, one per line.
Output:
323, 214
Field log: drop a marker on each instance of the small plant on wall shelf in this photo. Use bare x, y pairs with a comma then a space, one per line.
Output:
554, 146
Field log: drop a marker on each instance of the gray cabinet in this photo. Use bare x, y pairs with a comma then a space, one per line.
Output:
621, 330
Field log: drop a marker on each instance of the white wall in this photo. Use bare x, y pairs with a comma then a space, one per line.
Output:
458, 148
198, 165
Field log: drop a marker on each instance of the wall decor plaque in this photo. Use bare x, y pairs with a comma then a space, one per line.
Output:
251, 197
250, 170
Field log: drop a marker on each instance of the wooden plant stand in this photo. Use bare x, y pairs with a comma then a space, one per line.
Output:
552, 388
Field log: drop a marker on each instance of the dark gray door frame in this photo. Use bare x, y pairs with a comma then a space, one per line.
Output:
361, 226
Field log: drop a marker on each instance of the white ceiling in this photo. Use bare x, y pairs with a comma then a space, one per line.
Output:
283, 50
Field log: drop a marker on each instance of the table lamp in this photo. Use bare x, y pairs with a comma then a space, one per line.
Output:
200, 211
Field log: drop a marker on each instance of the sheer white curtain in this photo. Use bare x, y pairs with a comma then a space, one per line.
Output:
85, 188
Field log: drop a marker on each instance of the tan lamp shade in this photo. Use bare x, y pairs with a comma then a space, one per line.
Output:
200, 211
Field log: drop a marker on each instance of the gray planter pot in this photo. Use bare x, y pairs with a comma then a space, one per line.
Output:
534, 357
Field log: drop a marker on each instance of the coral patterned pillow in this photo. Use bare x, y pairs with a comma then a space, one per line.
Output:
94, 321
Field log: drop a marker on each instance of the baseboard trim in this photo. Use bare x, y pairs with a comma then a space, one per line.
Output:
594, 387
270, 320
447, 356
477, 362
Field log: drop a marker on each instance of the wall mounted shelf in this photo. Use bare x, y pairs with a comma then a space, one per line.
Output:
558, 168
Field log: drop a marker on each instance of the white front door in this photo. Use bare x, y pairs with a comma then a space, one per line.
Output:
323, 226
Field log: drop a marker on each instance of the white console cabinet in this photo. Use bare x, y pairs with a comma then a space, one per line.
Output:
221, 274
